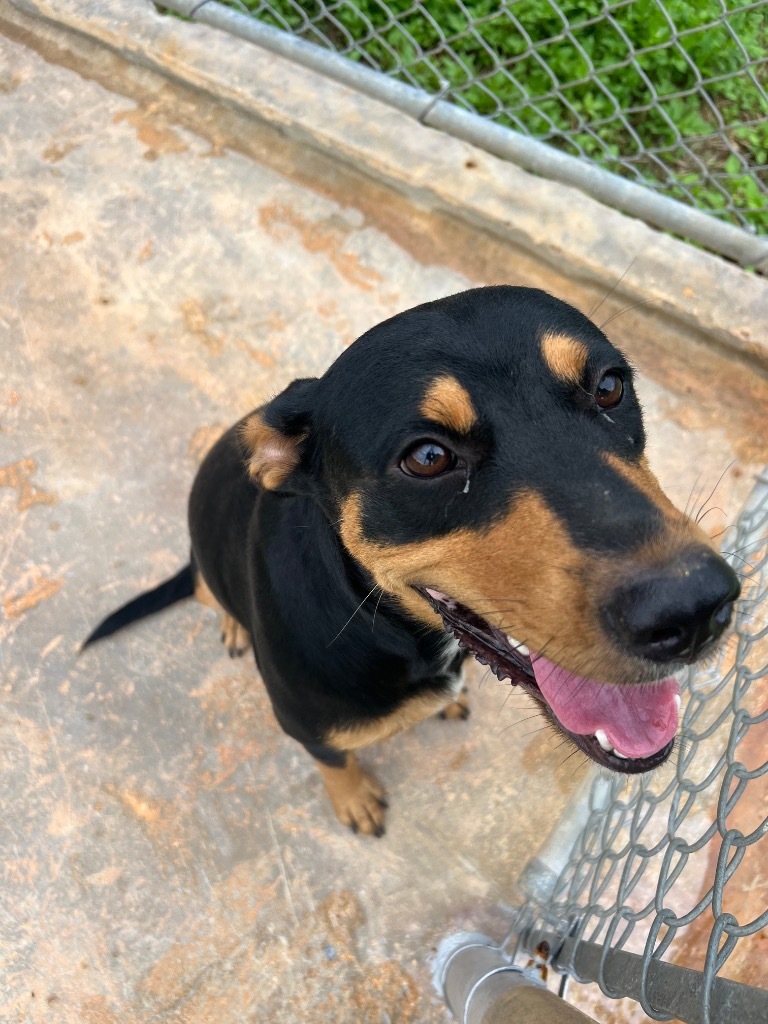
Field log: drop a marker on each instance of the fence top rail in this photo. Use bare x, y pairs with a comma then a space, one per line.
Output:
685, 151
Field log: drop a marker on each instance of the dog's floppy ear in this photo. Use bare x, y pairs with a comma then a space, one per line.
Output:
274, 435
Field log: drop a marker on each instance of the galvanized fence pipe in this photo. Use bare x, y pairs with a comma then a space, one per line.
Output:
481, 985
616, 913
436, 111
601, 900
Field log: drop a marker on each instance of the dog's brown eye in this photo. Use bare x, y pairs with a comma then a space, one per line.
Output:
610, 390
427, 458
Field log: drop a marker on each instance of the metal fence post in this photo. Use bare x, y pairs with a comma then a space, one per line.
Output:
481, 986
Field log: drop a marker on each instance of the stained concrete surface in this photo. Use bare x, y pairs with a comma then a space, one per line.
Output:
167, 854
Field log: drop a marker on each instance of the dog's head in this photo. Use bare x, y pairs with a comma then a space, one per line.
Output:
483, 458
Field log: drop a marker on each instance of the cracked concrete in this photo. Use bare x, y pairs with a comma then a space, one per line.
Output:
167, 854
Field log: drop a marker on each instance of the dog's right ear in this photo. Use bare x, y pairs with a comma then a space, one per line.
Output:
274, 435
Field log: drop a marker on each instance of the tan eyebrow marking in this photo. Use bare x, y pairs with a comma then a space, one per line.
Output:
448, 403
566, 357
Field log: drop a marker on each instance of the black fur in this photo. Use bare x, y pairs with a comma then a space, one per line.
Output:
177, 588
334, 649
303, 597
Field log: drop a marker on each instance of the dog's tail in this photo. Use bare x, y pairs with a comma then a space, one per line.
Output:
179, 587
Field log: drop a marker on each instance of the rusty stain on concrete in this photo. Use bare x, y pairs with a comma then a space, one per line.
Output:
63, 821
147, 251
58, 150
20, 870
263, 358
327, 945
152, 130
240, 718
331, 945
15, 605
17, 475
326, 237
51, 646
144, 808
240, 901
164, 822
107, 876
95, 1010
203, 439
460, 759
197, 321
9, 83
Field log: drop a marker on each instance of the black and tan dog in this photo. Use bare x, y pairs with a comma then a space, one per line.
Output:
468, 472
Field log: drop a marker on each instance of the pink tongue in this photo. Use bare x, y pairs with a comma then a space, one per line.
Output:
638, 720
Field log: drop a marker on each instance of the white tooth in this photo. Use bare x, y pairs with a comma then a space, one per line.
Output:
678, 701
602, 739
520, 648
622, 756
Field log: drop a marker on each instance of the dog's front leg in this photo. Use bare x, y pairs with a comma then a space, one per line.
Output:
234, 636
358, 799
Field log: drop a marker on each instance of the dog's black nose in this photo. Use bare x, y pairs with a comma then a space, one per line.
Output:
672, 615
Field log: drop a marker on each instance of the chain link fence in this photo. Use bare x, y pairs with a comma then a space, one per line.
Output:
670, 868
669, 95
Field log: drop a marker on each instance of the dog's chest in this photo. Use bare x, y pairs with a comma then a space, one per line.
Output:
445, 664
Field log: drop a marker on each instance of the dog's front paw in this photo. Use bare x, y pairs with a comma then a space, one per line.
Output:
458, 708
362, 809
357, 798
234, 636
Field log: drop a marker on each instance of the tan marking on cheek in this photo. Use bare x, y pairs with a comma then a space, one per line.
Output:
566, 357
408, 714
448, 403
522, 573
272, 455
388, 565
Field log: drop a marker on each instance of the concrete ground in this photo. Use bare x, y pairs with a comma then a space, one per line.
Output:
167, 854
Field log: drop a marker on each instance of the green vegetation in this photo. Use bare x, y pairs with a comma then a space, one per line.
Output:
550, 90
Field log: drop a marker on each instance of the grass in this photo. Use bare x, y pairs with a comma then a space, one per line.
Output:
584, 81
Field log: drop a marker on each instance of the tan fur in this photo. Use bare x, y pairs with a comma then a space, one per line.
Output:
641, 476
234, 636
357, 797
408, 714
522, 573
203, 594
272, 455
448, 403
458, 708
680, 532
566, 357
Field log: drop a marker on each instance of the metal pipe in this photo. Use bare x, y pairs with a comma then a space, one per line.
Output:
539, 877
528, 1005
481, 985
637, 200
373, 83
670, 989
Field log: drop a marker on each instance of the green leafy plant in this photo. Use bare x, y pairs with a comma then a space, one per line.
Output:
657, 90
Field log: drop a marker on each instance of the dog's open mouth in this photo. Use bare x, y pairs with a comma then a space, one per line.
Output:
629, 729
